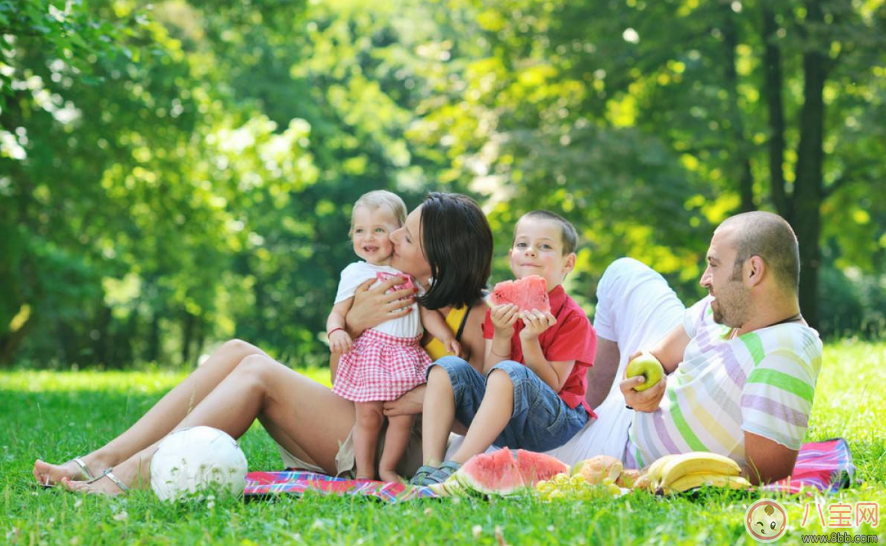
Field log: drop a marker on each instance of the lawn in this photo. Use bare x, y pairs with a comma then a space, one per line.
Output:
59, 415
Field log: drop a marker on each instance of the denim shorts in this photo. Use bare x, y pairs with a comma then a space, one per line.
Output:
541, 420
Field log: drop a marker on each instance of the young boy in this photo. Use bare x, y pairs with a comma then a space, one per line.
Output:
531, 394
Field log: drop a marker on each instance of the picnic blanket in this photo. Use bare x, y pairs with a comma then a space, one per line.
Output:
825, 466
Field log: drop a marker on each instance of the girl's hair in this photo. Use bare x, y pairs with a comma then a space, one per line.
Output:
457, 243
381, 199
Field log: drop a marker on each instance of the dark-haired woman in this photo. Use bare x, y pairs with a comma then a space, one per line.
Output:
446, 244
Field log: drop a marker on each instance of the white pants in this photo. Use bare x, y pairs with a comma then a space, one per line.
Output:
635, 309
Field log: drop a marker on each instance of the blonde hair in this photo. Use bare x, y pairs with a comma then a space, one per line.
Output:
381, 198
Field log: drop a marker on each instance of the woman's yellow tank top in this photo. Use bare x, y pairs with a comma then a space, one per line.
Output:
454, 318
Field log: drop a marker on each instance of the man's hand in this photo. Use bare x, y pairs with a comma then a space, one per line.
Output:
503, 319
646, 401
340, 342
535, 323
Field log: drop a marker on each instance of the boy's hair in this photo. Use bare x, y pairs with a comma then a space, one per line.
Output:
381, 198
568, 235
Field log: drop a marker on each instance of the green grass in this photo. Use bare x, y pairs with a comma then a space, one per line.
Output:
59, 415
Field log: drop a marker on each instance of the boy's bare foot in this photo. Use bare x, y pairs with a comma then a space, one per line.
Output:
389, 476
51, 474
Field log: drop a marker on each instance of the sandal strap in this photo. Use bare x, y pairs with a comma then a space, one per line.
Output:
83, 468
110, 475
443, 472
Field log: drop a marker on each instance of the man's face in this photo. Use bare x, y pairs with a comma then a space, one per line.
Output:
723, 279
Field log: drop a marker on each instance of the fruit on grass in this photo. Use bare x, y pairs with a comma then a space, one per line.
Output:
654, 471
697, 462
527, 294
649, 367
692, 481
596, 469
507, 472
678, 473
628, 478
575, 487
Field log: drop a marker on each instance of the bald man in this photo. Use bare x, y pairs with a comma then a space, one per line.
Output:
741, 363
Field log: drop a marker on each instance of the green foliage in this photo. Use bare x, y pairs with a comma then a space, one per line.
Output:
59, 415
173, 174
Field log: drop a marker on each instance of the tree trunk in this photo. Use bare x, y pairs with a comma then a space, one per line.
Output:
152, 354
772, 90
742, 155
808, 191
187, 337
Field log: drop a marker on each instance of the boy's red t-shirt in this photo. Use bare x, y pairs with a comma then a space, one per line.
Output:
572, 338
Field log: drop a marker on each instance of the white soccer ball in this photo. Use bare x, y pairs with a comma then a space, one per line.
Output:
198, 460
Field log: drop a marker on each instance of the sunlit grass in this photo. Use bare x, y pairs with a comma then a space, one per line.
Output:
60, 415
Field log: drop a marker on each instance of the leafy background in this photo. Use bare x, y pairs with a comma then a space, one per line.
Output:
176, 173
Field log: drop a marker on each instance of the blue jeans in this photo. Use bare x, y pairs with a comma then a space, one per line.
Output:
540, 421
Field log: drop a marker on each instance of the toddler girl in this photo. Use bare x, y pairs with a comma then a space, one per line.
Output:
386, 361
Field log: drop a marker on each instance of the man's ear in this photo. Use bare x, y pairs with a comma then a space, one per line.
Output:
755, 268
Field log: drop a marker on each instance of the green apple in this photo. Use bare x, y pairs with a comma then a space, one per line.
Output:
649, 367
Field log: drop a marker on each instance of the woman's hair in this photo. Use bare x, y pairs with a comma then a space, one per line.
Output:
457, 243
381, 199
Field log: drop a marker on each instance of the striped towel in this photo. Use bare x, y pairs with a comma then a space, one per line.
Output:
297, 482
825, 466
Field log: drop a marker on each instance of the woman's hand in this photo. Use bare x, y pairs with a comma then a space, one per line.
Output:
372, 307
410, 403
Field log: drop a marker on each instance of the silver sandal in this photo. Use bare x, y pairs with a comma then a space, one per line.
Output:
83, 468
110, 475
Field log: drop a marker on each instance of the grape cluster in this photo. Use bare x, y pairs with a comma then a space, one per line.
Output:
564, 487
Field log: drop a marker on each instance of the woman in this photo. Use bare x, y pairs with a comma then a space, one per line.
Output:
446, 244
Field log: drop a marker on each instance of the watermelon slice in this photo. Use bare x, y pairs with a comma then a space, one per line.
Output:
382, 276
507, 472
527, 293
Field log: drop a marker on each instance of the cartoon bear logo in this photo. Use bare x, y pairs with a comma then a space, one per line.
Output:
766, 520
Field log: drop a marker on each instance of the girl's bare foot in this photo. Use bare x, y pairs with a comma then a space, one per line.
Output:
112, 482
51, 474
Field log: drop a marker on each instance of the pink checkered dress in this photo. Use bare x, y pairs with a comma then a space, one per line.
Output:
381, 367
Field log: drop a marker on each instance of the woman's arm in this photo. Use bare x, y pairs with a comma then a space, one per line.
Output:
373, 306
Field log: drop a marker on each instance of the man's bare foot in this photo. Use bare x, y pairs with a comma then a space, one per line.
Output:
51, 474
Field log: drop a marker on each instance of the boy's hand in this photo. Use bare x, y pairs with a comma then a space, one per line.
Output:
503, 319
535, 323
453, 347
340, 342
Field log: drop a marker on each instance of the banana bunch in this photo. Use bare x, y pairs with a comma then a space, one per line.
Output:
677, 473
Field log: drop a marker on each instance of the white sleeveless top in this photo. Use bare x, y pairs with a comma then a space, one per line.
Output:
359, 272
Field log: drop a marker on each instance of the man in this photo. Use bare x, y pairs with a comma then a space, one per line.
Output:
741, 363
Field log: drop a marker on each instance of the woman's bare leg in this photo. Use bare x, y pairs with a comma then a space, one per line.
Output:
369, 422
305, 417
396, 440
159, 420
